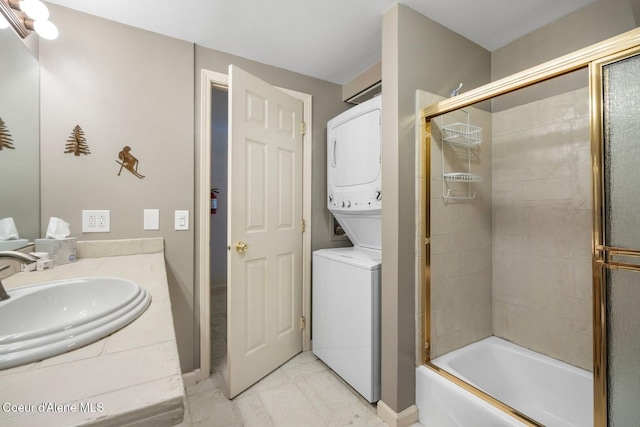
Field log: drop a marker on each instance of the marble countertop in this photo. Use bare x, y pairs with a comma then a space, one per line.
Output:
130, 377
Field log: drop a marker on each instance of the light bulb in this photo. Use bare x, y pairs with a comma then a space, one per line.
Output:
3, 23
46, 29
35, 9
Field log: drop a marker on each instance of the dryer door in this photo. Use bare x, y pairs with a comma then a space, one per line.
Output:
354, 150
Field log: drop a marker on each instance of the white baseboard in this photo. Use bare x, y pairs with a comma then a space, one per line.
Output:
190, 378
403, 419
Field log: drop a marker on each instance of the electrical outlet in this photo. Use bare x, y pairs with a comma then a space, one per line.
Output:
96, 221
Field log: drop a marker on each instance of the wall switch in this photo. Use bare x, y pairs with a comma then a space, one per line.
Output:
182, 220
96, 221
152, 219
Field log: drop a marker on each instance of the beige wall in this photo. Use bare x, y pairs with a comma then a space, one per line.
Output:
123, 86
542, 210
362, 81
594, 23
460, 237
586, 26
416, 54
127, 86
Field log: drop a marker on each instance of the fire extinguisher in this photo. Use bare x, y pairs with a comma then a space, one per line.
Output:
214, 201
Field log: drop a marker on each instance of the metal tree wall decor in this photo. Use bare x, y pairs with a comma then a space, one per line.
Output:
77, 143
128, 162
5, 136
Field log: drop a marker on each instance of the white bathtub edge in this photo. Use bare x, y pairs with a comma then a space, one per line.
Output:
440, 404
548, 390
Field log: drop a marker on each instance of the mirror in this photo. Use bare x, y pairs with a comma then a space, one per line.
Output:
19, 137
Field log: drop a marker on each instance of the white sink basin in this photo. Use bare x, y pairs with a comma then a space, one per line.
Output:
47, 319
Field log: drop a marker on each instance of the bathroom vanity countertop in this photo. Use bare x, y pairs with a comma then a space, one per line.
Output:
130, 377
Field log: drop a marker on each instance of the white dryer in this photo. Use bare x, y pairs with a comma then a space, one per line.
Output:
354, 172
346, 281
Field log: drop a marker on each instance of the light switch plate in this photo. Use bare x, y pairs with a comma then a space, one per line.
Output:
152, 219
182, 220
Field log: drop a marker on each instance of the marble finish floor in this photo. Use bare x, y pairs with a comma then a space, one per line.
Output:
218, 328
303, 392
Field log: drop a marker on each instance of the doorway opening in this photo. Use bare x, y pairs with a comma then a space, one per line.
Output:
218, 226
212, 285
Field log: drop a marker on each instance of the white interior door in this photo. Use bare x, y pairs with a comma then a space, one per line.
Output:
264, 294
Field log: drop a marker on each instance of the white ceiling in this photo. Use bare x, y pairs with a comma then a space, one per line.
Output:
332, 40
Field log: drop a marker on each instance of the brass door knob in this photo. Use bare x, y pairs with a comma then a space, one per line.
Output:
242, 247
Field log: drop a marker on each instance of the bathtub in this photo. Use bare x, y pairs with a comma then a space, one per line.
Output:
553, 393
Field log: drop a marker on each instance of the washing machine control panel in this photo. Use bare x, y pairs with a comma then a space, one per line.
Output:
359, 200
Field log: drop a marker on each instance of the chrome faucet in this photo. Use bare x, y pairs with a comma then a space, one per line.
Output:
20, 256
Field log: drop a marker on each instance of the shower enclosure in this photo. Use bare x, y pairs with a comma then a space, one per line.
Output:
531, 238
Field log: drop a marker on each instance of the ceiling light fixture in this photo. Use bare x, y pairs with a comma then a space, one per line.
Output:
34, 9
45, 29
25, 16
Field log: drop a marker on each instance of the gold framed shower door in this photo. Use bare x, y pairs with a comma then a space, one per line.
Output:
603, 256
594, 58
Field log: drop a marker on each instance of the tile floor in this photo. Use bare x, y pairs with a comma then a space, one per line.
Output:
303, 392
218, 328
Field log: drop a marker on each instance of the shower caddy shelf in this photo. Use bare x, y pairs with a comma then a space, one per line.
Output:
462, 177
463, 137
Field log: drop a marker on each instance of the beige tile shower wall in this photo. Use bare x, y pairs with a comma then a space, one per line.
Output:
542, 227
460, 241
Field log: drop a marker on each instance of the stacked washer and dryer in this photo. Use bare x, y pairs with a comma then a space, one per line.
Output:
346, 281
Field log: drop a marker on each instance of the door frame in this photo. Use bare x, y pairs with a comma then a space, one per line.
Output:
202, 224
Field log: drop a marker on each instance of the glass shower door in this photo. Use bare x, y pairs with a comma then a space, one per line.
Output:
618, 238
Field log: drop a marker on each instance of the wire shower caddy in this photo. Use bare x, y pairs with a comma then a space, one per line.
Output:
462, 138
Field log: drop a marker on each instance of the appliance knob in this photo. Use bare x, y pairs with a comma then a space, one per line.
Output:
342, 204
348, 204
330, 198
378, 195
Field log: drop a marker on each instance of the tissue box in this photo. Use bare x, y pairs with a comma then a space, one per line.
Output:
61, 251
